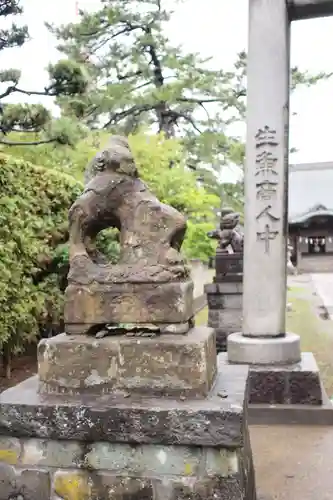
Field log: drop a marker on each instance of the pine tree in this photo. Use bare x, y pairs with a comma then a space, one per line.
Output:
139, 77
66, 78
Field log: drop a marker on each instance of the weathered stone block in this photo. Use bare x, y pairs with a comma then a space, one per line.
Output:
10, 450
227, 287
166, 364
224, 322
215, 301
305, 387
218, 488
109, 456
124, 488
228, 320
218, 301
29, 483
73, 485
295, 384
221, 462
221, 340
136, 448
96, 304
233, 301
267, 386
145, 460
44, 453
225, 314
213, 421
85, 486
227, 264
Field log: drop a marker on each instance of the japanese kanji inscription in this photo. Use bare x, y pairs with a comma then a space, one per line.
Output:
267, 235
266, 175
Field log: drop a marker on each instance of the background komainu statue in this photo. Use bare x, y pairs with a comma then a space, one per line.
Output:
229, 236
150, 287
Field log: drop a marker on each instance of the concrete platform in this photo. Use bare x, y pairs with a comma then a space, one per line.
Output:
293, 463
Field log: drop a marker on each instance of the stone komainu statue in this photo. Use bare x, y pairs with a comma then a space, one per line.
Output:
228, 234
151, 233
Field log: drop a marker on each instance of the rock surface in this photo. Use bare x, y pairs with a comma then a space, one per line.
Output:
168, 364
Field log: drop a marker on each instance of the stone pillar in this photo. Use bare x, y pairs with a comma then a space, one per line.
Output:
278, 372
266, 186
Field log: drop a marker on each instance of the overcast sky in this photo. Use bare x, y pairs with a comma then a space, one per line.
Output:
216, 28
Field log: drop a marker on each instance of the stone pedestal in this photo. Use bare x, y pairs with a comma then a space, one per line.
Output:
224, 297
228, 266
110, 437
224, 310
278, 373
138, 303
166, 365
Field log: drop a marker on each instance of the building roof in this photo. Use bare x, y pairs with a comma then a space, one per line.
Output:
310, 190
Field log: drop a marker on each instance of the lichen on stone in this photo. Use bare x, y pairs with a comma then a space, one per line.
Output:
72, 486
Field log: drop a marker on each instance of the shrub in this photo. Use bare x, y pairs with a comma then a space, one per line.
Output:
33, 231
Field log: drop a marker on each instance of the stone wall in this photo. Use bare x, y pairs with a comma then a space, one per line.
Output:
40, 469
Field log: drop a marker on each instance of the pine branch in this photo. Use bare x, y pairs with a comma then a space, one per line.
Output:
7, 92
199, 100
134, 110
9, 7
45, 92
13, 88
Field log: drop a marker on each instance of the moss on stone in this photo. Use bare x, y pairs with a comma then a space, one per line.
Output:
10, 457
72, 486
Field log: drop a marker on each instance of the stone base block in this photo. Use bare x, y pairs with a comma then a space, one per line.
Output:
166, 365
284, 350
295, 384
227, 264
133, 448
318, 415
225, 313
96, 304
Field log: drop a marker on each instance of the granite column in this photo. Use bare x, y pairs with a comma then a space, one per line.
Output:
263, 340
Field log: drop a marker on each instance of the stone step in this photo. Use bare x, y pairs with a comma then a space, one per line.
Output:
260, 414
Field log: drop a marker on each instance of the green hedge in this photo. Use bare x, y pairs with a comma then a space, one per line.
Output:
34, 203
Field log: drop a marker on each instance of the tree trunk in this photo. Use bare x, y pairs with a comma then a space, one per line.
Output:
7, 360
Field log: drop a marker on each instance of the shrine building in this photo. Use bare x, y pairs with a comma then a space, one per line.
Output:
310, 216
